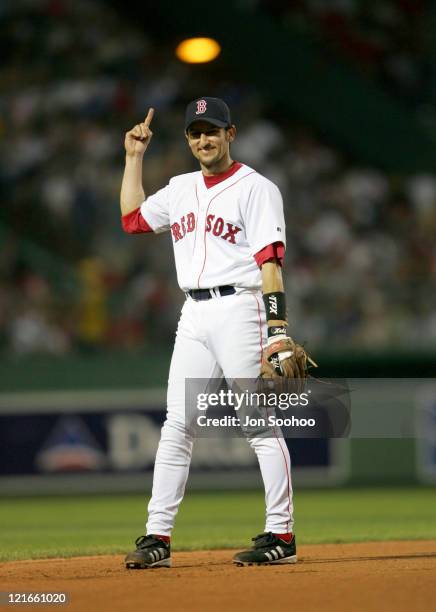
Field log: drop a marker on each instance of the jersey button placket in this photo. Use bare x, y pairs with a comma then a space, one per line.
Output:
198, 256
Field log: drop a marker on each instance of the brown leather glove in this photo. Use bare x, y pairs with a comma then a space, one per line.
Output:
294, 365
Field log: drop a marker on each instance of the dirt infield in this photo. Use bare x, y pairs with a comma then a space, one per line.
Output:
370, 576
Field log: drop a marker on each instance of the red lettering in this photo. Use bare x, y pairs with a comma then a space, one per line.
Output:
218, 227
232, 230
182, 221
191, 222
209, 220
175, 228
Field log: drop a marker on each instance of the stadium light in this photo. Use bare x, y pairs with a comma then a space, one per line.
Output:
198, 50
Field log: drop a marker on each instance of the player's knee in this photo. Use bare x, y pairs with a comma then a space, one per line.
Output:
176, 428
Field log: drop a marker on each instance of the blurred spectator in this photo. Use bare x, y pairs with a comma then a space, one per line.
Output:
92, 304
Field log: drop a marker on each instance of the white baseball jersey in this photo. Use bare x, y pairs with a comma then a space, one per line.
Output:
217, 231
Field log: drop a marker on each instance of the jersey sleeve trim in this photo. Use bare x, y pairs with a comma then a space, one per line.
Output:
274, 251
134, 223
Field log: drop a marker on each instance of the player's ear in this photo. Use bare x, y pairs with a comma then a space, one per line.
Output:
231, 133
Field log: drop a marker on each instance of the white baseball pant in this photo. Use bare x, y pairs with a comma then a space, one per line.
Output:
222, 336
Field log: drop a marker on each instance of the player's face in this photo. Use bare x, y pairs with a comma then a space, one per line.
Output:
209, 143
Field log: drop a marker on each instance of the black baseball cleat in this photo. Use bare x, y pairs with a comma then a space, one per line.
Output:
268, 549
150, 552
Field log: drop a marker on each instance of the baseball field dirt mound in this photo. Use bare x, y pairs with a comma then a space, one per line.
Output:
366, 576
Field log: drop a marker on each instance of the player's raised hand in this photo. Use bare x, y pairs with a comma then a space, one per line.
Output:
138, 139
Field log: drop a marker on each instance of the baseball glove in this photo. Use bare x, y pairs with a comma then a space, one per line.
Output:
285, 358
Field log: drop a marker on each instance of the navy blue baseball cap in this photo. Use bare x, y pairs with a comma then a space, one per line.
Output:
212, 110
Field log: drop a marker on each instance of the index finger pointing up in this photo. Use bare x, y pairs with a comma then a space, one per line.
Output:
149, 116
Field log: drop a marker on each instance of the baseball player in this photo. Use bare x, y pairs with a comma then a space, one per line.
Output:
228, 232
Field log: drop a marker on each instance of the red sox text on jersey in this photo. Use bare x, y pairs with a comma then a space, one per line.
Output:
218, 227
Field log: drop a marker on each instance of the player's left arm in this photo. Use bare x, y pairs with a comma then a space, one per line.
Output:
275, 307
265, 229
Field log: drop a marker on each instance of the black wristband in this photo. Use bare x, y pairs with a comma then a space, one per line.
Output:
275, 306
277, 330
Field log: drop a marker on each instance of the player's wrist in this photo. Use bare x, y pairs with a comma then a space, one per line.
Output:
276, 333
278, 329
277, 323
135, 156
275, 307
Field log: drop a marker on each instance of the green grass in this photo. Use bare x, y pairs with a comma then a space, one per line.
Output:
69, 526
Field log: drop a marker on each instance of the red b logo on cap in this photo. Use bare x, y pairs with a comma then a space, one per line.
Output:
201, 107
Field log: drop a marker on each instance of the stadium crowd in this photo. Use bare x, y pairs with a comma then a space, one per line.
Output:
361, 259
385, 40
